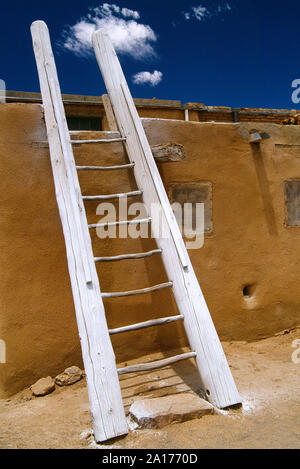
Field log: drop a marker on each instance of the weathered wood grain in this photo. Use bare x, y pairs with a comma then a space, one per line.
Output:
215, 375
98, 356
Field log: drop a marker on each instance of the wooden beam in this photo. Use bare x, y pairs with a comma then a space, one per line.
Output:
112, 124
215, 375
168, 152
255, 137
95, 100
98, 356
162, 152
103, 140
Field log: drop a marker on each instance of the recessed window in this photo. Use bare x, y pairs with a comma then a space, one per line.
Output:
194, 192
292, 201
84, 123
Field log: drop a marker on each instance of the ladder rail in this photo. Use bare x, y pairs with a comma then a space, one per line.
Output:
214, 372
99, 360
53, 85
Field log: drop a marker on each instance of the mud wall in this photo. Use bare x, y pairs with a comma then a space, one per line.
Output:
247, 268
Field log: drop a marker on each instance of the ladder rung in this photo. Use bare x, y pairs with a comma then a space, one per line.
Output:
156, 364
118, 223
104, 168
137, 292
103, 140
145, 324
112, 196
139, 255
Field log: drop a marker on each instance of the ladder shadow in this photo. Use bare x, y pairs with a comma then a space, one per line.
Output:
185, 369
156, 384
264, 187
188, 373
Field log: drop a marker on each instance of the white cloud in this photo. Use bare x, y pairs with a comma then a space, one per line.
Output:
225, 7
130, 13
127, 34
202, 13
143, 78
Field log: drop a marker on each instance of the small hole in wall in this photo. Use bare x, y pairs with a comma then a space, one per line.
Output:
248, 291
208, 392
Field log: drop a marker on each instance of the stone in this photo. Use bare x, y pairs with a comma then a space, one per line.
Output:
43, 386
26, 395
86, 434
169, 152
161, 411
70, 376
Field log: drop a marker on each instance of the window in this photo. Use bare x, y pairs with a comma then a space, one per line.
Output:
194, 192
292, 201
84, 123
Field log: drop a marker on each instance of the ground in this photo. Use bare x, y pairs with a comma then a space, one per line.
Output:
267, 376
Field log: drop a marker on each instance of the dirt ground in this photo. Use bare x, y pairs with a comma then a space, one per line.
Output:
267, 376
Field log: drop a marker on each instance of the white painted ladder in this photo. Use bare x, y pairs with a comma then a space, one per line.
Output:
99, 361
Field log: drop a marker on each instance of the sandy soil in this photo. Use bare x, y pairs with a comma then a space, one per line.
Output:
266, 376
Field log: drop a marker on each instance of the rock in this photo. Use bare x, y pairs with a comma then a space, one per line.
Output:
26, 395
43, 386
86, 434
161, 411
169, 152
70, 376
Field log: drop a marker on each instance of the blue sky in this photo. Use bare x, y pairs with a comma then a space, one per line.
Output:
239, 53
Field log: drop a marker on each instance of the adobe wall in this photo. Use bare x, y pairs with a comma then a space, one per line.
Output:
250, 245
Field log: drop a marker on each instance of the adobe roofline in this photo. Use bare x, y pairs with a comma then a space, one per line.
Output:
23, 96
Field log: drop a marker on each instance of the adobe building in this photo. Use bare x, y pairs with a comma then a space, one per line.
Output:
243, 164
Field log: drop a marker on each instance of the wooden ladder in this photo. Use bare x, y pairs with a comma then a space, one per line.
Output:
99, 361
